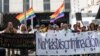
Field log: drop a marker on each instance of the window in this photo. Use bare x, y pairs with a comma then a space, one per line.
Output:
67, 5
67, 1
6, 6
27, 1
46, 5
46, 0
26, 4
0, 6
6, 1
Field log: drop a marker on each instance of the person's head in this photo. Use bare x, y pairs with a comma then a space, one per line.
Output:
98, 28
69, 26
83, 28
50, 27
92, 26
42, 26
61, 25
23, 28
78, 24
57, 28
10, 25
75, 27
10, 28
65, 26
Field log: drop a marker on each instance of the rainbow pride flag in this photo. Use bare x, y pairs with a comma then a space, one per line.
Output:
58, 14
20, 17
29, 14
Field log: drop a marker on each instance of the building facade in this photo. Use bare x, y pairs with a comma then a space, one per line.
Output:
14, 6
88, 10
42, 8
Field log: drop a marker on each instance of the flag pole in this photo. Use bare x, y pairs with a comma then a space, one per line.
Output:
32, 22
24, 10
64, 10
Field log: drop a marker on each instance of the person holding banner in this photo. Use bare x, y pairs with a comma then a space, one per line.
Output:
78, 25
43, 28
61, 26
69, 26
35, 29
84, 29
23, 30
65, 29
76, 29
57, 29
12, 30
92, 27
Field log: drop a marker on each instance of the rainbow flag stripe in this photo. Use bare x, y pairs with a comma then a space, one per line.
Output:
29, 14
59, 13
20, 17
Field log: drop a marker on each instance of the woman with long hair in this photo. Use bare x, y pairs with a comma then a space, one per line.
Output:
12, 30
23, 30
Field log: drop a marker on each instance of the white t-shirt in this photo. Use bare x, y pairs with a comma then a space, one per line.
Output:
18, 31
33, 30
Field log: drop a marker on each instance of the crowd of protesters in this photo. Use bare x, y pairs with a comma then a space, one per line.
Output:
57, 28
63, 28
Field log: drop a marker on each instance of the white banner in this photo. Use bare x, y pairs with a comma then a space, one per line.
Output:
68, 44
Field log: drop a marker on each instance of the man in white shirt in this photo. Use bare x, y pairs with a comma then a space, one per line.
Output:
65, 29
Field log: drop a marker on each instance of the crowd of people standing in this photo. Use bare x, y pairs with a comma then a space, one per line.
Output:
63, 28
44, 28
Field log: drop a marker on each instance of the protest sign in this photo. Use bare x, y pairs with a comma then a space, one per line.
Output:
17, 41
68, 44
